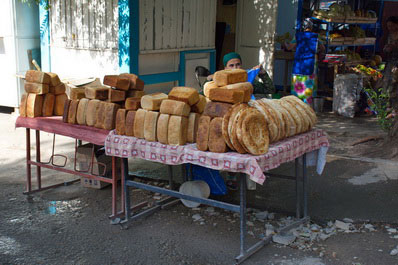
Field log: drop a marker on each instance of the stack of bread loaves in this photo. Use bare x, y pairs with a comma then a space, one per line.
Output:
169, 119
45, 95
229, 87
285, 117
100, 104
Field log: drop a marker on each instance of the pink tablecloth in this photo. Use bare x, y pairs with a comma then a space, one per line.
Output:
254, 166
55, 125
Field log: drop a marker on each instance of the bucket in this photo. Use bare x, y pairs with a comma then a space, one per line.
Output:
318, 104
196, 188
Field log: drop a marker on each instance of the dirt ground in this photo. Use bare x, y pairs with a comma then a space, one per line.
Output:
69, 225
353, 137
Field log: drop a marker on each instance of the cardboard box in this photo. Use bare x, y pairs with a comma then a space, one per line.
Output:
102, 165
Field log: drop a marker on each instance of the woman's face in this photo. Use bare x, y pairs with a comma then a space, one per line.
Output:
392, 27
234, 64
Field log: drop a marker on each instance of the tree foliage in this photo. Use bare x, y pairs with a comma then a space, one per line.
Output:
47, 3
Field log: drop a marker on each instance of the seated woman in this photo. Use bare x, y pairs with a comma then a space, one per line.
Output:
261, 87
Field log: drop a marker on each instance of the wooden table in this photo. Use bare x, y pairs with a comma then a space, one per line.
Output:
286, 57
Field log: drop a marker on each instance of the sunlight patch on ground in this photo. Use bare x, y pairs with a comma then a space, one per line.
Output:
8, 245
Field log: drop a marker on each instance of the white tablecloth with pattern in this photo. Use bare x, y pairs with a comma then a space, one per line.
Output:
315, 143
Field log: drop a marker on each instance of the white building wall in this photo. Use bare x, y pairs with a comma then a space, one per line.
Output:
286, 22
19, 31
84, 36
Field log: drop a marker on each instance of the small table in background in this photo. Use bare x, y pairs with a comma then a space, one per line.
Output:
286, 57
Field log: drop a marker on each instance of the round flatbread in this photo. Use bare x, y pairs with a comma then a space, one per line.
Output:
280, 123
290, 126
293, 113
239, 124
225, 122
307, 122
310, 112
233, 134
254, 133
270, 119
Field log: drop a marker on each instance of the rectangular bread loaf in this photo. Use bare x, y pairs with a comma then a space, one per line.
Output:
216, 109
91, 112
76, 93
227, 95
54, 79
135, 82
111, 80
34, 105
58, 89
73, 111
162, 128
200, 106
247, 88
48, 105
135, 94
229, 76
100, 93
123, 83
185, 94
37, 77
116, 95
121, 121
81, 111
59, 104
66, 110
139, 122
110, 115
22, 106
99, 121
193, 122
150, 123
177, 130
207, 87
130, 117
216, 140
132, 103
202, 136
36, 88
174, 107
153, 101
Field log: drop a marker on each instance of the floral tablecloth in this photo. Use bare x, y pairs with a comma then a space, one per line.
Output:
315, 143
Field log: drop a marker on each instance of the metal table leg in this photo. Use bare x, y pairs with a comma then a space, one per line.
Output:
38, 168
242, 213
125, 166
305, 186
28, 165
296, 174
170, 172
114, 187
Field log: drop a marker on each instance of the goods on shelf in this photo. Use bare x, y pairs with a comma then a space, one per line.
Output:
369, 71
343, 13
351, 55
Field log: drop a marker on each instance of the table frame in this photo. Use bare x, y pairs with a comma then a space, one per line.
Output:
245, 252
39, 164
